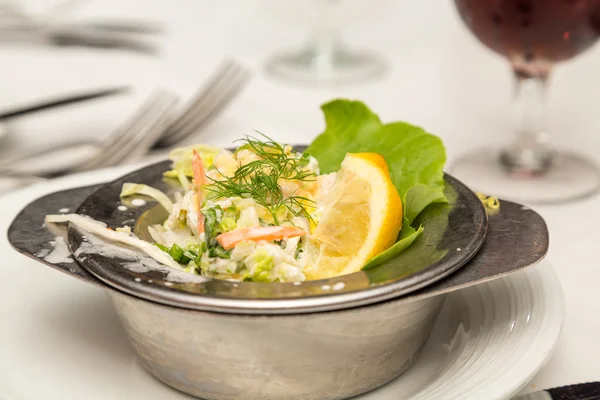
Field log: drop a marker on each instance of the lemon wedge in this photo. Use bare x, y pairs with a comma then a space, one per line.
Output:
362, 217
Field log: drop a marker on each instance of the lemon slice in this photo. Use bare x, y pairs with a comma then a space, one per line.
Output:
362, 217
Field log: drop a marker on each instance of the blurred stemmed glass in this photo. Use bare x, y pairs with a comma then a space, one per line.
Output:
30, 20
533, 35
37, 11
325, 59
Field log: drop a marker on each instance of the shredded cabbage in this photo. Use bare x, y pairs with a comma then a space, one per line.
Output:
100, 229
177, 243
130, 189
181, 168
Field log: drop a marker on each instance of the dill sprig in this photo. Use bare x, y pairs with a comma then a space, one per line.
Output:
259, 179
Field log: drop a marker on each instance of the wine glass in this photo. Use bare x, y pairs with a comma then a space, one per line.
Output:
533, 35
325, 59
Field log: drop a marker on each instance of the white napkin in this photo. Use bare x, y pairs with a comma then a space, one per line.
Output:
29, 74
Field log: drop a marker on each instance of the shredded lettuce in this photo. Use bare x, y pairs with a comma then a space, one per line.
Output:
261, 263
162, 247
218, 251
181, 157
210, 225
227, 224
415, 158
176, 252
214, 224
130, 189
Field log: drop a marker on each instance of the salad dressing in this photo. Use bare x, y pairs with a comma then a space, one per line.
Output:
135, 261
59, 253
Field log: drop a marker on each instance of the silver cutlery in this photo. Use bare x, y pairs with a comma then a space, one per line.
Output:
123, 26
155, 122
17, 25
21, 160
223, 85
83, 37
127, 144
90, 36
61, 101
582, 391
135, 138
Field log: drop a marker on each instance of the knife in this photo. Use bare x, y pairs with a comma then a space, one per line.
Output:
582, 391
104, 40
77, 98
119, 27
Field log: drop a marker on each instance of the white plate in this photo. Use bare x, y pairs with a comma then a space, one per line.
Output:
489, 341
59, 337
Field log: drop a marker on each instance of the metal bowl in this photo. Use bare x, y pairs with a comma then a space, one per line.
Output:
327, 355
324, 339
344, 349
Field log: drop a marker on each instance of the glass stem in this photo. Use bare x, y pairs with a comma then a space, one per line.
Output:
325, 37
530, 151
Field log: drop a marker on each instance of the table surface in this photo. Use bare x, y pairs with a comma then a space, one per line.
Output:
440, 77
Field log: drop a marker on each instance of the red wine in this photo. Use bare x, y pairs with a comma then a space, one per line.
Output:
533, 34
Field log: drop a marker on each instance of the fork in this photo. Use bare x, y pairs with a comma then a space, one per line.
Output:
223, 85
137, 135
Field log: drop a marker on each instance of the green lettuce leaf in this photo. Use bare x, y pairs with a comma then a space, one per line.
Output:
396, 249
415, 158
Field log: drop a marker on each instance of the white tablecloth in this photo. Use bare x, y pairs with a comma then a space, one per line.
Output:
440, 78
